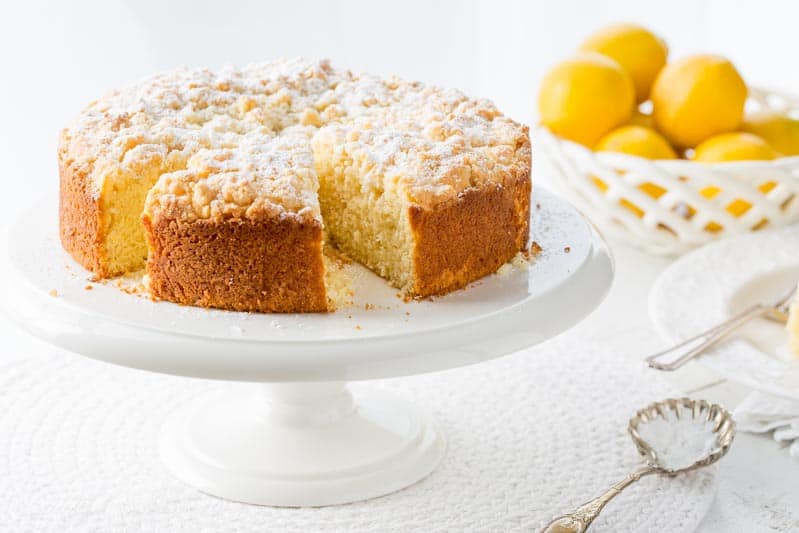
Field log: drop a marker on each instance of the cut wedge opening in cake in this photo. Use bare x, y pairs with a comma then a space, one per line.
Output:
365, 214
226, 185
122, 200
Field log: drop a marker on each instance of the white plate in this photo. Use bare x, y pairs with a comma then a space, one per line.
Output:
712, 283
495, 316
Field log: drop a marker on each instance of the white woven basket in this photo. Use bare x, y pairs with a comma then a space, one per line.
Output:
682, 218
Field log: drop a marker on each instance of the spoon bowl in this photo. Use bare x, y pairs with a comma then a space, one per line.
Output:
680, 434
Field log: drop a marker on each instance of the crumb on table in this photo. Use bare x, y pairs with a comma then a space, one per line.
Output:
53, 293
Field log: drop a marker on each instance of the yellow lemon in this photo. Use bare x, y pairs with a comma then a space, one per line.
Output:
780, 131
698, 97
637, 140
735, 146
640, 52
585, 97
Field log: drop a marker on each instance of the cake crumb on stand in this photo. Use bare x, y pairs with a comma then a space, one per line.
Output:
520, 262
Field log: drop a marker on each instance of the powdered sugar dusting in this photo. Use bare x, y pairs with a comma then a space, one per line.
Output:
679, 442
245, 134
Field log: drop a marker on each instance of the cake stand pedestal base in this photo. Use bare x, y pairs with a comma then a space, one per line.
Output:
301, 445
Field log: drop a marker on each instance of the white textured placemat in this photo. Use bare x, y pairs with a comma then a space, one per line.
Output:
530, 435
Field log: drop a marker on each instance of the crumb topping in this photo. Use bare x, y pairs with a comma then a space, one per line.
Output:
238, 142
262, 176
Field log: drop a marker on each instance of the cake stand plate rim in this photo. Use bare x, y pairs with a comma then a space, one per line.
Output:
580, 275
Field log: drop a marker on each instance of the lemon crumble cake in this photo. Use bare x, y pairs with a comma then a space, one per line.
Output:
227, 185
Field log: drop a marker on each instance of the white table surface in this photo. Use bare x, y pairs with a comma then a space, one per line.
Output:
497, 49
757, 480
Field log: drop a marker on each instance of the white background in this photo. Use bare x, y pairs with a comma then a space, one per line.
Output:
57, 57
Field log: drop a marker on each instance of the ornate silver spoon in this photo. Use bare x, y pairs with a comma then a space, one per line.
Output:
673, 436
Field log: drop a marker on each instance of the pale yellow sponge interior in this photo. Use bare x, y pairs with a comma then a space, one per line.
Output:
337, 282
367, 223
122, 203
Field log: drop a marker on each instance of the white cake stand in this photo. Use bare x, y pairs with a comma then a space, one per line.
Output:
299, 438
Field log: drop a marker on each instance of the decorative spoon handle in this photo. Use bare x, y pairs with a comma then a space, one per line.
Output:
578, 520
678, 355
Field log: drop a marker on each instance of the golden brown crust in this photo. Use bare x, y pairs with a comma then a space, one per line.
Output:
465, 239
79, 216
269, 265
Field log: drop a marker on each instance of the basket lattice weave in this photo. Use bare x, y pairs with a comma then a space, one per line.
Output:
681, 218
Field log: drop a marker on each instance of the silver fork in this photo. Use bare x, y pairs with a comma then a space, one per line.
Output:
678, 355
